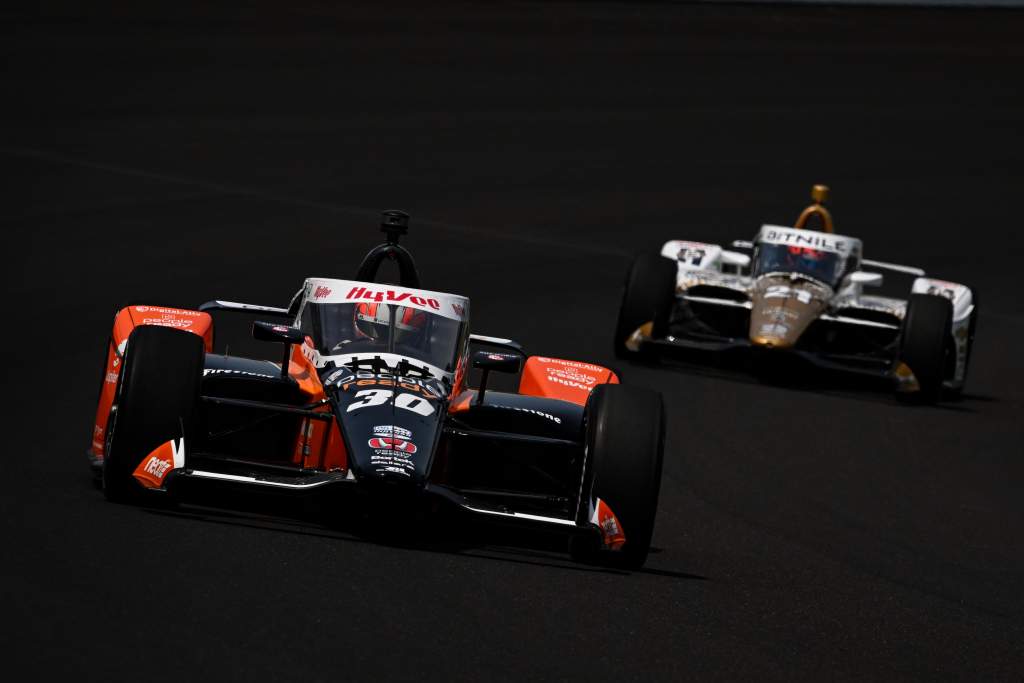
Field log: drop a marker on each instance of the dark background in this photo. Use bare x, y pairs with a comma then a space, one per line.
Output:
185, 153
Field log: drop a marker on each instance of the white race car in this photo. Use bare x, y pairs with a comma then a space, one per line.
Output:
799, 293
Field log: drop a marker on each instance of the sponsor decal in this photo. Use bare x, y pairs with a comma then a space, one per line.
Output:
392, 430
571, 364
168, 321
800, 238
780, 312
570, 373
392, 448
774, 330
322, 292
279, 328
111, 378
459, 310
539, 413
570, 383
219, 371
155, 467
390, 443
783, 292
612, 534
383, 467
389, 295
166, 311
691, 256
340, 376
570, 376
415, 385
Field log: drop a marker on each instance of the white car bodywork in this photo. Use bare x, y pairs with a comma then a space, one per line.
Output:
702, 265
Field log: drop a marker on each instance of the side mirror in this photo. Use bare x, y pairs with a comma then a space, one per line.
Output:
497, 342
495, 361
866, 279
276, 332
734, 258
498, 362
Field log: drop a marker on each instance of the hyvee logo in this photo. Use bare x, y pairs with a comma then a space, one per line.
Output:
391, 295
322, 292
459, 309
157, 467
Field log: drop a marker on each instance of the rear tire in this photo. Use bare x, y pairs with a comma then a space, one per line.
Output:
625, 450
926, 343
648, 296
157, 396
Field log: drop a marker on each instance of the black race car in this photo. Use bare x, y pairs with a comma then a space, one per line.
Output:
369, 401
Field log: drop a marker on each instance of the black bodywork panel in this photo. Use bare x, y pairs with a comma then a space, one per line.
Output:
518, 452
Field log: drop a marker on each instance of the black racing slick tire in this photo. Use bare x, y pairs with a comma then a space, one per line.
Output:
972, 327
157, 397
926, 345
625, 441
647, 297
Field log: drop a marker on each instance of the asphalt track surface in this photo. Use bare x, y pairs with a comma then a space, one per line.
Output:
804, 532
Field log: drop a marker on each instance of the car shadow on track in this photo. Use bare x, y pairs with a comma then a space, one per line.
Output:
811, 381
449, 535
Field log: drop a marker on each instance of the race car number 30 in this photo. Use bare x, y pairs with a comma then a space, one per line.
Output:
376, 397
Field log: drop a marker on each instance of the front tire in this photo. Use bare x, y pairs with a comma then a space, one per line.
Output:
926, 344
625, 451
157, 396
957, 391
647, 297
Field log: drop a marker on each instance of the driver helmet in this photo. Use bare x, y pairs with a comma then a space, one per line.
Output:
372, 321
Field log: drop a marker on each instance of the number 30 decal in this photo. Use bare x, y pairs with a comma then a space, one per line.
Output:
376, 397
